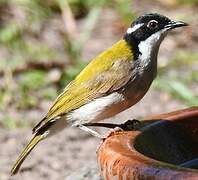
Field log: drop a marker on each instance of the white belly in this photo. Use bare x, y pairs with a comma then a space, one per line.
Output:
93, 109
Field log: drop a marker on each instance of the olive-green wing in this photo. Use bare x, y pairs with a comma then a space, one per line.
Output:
107, 73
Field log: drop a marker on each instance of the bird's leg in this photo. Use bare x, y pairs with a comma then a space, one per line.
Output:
105, 125
91, 131
128, 125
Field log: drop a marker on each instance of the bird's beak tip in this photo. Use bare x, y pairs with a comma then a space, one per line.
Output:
176, 24
181, 23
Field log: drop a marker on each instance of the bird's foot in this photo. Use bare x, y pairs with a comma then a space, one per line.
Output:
112, 132
108, 134
131, 125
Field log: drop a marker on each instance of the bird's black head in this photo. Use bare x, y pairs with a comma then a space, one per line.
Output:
151, 27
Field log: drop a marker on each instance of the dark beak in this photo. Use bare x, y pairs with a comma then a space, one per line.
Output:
175, 24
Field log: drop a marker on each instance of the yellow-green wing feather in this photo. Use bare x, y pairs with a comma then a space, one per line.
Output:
106, 73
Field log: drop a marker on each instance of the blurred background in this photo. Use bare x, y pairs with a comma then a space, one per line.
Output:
45, 44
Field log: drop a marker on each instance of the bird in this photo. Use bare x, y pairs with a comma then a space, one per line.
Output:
112, 82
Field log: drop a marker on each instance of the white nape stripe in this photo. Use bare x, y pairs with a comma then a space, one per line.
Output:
134, 28
91, 110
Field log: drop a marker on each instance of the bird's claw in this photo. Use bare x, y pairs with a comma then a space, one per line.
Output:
108, 134
112, 132
130, 125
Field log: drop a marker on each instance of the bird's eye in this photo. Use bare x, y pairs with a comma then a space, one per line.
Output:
152, 24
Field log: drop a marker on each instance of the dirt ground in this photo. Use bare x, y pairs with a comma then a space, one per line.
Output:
71, 154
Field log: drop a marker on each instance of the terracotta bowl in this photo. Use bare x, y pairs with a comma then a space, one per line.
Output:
165, 147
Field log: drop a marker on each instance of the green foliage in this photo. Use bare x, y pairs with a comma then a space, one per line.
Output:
177, 88
49, 93
181, 91
37, 9
33, 86
81, 8
70, 73
33, 80
184, 58
11, 122
124, 10
175, 77
188, 2
39, 51
10, 34
8, 122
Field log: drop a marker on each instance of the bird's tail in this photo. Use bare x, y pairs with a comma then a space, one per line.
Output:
34, 141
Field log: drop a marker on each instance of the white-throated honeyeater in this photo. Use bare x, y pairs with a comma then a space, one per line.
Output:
112, 82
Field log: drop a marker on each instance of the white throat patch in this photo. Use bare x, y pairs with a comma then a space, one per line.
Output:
150, 45
134, 28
